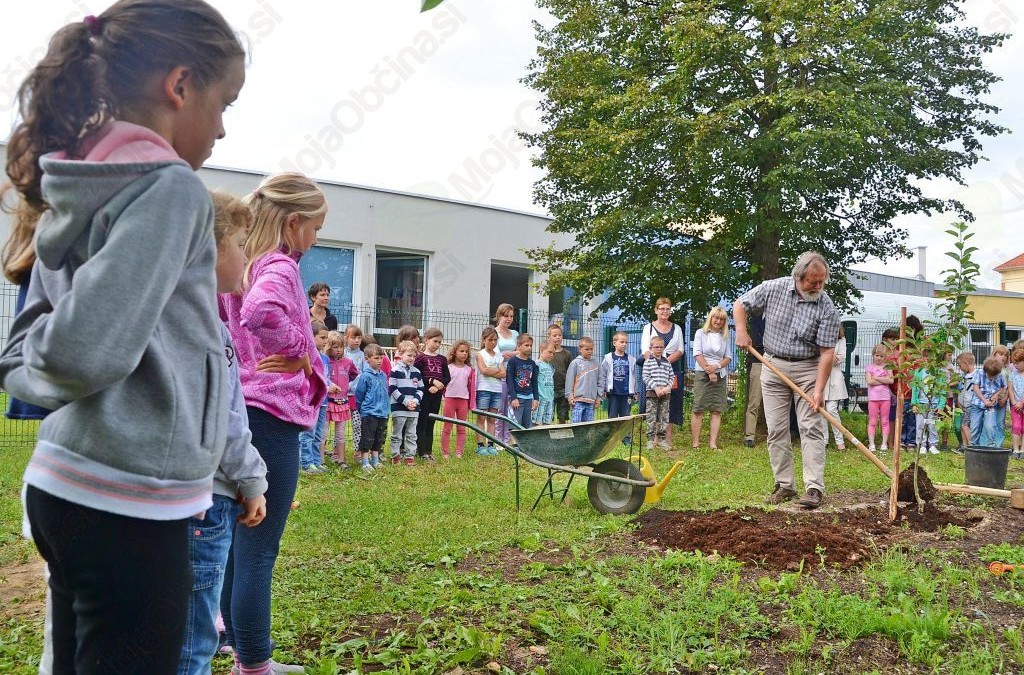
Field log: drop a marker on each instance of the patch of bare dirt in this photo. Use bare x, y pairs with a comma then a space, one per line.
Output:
22, 589
786, 538
510, 561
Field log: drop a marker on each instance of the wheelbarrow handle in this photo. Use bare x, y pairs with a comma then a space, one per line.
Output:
824, 413
498, 416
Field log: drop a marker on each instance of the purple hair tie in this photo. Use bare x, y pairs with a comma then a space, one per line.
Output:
94, 23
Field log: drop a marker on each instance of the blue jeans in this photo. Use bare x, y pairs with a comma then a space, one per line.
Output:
545, 412
309, 441
983, 426
908, 435
999, 426
208, 544
245, 599
582, 412
524, 413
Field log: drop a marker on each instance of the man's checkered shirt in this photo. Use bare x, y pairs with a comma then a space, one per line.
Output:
794, 328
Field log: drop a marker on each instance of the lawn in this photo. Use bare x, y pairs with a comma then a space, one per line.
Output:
429, 569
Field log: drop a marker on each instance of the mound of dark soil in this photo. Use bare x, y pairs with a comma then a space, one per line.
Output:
782, 539
905, 489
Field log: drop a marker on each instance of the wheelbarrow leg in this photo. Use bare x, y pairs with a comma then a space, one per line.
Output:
549, 490
565, 492
518, 506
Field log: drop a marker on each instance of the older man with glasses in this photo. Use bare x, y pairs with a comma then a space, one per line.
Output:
801, 324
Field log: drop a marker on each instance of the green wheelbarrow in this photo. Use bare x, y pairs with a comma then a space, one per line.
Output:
613, 485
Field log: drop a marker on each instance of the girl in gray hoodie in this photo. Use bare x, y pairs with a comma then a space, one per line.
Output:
119, 335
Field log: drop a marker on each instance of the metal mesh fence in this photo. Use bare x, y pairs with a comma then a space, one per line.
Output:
383, 324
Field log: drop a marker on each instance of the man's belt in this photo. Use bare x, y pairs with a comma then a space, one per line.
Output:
791, 359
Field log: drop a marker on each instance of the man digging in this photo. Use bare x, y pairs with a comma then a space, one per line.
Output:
801, 324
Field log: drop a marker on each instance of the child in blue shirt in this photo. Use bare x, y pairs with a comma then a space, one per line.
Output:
521, 377
374, 406
545, 413
928, 395
989, 385
618, 372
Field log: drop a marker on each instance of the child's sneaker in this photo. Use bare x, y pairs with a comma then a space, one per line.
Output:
444, 455
275, 668
429, 459
933, 450
871, 449
458, 454
410, 461
375, 462
492, 451
312, 468
482, 450
396, 460
884, 448
367, 467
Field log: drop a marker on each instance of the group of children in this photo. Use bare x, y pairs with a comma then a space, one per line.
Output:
365, 390
977, 399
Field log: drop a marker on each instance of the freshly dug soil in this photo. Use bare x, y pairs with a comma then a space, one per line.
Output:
905, 488
783, 539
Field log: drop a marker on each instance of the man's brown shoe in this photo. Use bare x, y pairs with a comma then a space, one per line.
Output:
812, 499
780, 495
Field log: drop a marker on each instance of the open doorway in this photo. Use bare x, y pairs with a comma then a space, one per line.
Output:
510, 284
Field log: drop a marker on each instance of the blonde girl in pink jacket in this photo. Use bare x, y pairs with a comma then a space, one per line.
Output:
269, 323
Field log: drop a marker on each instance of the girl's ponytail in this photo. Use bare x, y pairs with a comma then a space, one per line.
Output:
98, 69
60, 102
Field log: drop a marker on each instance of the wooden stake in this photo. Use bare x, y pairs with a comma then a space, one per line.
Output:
824, 413
894, 487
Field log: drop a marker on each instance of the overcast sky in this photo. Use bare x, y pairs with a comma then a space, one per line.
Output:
374, 93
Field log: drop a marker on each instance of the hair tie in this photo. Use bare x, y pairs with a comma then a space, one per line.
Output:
94, 24
255, 193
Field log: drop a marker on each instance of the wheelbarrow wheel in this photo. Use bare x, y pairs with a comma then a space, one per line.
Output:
609, 496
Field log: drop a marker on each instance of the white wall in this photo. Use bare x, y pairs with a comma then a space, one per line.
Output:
460, 240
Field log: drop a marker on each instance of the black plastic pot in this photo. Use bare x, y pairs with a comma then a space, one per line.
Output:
986, 467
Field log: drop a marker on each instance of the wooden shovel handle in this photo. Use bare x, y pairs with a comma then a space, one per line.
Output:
824, 413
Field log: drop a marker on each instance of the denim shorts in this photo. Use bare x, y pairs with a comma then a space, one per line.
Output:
488, 400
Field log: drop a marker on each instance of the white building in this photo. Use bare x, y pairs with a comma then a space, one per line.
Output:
413, 259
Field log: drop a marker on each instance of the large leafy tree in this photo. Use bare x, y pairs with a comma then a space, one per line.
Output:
696, 147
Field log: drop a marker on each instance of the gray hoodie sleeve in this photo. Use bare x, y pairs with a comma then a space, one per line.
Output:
242, 470
70, 352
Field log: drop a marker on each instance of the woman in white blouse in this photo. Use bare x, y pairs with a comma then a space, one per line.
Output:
712, 352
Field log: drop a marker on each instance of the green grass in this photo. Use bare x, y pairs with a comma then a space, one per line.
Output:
429, 569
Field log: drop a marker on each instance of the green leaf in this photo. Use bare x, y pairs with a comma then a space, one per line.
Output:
429, 5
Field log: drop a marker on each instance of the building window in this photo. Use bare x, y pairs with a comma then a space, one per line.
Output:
565, 307
335, 267
401, 290
510, 284
981, 343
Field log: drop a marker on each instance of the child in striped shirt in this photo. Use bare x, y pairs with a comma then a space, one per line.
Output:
658, 378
